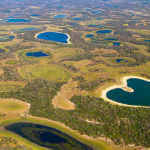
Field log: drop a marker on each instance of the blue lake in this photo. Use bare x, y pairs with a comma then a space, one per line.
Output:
36, 54
147, 40
60, 16
77, 19
111, 39
17, 20
116, 43
140, 96
104, 31
89, 35
120, 60
35, 15
46, 136
54, 36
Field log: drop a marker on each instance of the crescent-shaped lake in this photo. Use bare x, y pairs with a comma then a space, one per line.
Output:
140, 96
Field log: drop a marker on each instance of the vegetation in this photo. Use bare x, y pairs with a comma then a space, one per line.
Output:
11, 144
13, 106
48, 72
75, 74
92, 116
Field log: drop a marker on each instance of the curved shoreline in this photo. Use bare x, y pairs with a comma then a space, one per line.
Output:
68, 39
94, 143
124, 87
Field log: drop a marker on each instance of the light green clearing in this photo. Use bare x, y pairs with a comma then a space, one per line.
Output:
48, 72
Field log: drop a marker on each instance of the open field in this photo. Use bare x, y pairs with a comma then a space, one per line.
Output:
62, 99
1, 71
10, 86
64, 53
12, 106
141, 31
48, 72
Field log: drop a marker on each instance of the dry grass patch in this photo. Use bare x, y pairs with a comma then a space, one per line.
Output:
6, 86
13, 106
64, 53
141, 31
62, 99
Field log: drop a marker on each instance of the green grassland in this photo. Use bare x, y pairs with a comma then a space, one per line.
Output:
10, 86
47, 72
12, 106
141, 31
11, 62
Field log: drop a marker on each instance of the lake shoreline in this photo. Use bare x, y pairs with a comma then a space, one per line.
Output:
95, 143
68, 39
124, 87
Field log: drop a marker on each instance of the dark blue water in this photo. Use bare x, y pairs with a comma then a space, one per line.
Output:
54, 36
36, 54
111, 39
119, 60
46, 136
104, 31
89, 35
17, 20
116, 43
35, 15
140, 96
147, 40
60, 16
77, 19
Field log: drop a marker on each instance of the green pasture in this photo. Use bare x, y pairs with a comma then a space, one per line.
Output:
10, 86
46, 72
